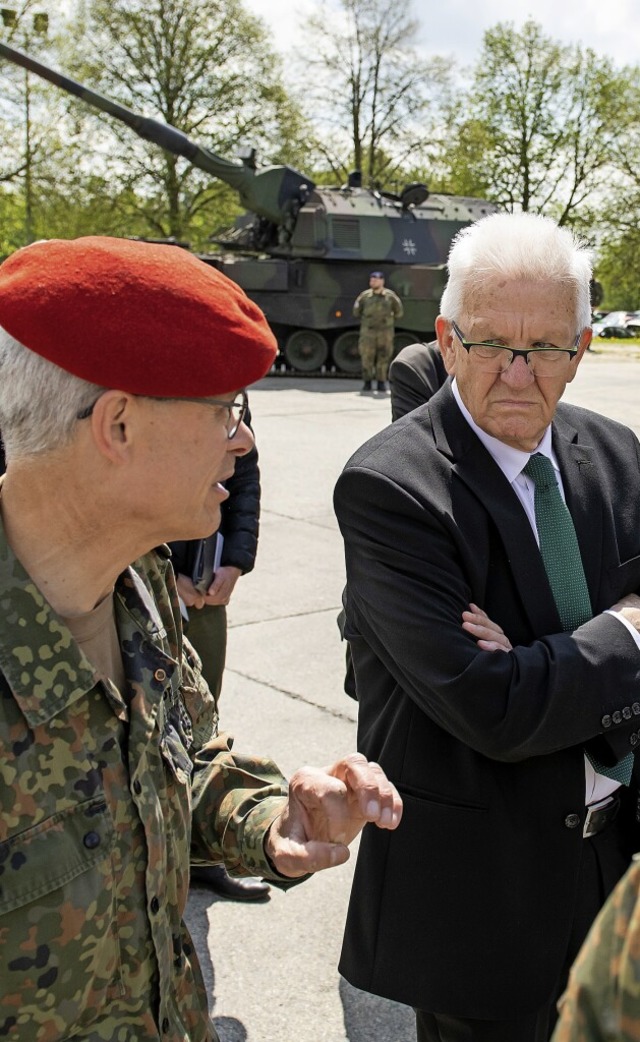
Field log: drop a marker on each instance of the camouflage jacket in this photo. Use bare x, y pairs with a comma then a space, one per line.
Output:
602, 1001
102, 800
377, 310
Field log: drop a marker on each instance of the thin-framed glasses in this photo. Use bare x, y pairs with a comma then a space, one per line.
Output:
237, 408
495, 358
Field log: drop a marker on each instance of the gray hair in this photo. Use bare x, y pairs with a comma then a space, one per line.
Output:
517, 246
39, 401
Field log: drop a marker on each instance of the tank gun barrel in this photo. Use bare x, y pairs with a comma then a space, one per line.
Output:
268, 193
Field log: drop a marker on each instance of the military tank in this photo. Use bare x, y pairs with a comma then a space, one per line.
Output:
302, 251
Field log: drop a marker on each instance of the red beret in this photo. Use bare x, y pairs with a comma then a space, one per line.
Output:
134, 316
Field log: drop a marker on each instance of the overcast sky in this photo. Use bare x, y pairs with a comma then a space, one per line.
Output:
455, 27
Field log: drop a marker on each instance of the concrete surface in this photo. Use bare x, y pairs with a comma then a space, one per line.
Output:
271, 969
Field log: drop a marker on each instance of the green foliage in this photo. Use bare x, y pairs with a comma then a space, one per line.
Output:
27, 119
199, 65
618, 269
540, 127
369, 89
11, 221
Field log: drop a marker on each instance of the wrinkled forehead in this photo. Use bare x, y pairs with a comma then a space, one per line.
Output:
528, 299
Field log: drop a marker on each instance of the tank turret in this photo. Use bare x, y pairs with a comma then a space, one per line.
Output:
303, 252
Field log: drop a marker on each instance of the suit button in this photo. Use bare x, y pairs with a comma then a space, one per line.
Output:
606, 721
626, 712
617, 717
633, 739
572, 821
635, 708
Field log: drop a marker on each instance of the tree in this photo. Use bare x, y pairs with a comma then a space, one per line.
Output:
368, 88
538, 129
202, 66
29, 139
618, 267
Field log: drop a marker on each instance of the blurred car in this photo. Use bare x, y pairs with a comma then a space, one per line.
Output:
607, 332
617, 325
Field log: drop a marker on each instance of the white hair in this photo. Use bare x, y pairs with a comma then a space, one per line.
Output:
517, 246
39, 401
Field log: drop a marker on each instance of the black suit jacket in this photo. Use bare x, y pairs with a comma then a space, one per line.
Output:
467, 907
415, 374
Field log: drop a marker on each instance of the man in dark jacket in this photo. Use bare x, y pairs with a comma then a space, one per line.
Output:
416, 373
206, 624
515, 761
205, 620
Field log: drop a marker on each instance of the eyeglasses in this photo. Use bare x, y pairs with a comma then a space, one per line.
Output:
237, 408
495, 358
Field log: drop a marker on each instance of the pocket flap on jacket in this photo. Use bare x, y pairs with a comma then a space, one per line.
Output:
45, 857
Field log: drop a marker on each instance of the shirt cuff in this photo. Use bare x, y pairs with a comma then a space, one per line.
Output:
632, 630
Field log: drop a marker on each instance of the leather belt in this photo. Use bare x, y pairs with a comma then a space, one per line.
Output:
600, 816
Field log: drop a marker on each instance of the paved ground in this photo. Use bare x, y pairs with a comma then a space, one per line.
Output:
271, 968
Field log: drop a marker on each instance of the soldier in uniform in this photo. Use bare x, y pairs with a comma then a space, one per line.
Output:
377, 308
602, 1002
122, 375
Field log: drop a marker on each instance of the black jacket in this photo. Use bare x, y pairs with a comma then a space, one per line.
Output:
240, 519
467, 907
415, 375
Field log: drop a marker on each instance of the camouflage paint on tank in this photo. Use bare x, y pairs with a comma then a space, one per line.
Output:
320, 295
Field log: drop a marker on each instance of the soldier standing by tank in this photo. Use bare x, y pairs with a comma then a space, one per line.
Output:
377, 308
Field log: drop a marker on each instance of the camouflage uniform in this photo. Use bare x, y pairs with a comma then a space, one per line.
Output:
101, 800
602, 1001
377, 313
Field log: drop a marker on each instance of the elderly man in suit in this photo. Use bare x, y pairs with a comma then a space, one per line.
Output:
493, 557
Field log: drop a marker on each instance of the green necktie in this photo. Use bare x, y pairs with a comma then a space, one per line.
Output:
563, 564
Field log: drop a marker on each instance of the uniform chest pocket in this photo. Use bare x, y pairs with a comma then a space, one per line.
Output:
59, 955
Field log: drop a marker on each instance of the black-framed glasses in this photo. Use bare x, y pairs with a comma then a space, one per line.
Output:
237, 408
545, 360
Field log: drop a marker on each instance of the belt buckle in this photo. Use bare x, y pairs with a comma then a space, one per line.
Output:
594, 815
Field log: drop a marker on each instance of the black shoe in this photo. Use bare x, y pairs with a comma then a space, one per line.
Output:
366, 385
382, 385
236, 889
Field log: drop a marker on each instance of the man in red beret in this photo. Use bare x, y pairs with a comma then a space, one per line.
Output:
122, 375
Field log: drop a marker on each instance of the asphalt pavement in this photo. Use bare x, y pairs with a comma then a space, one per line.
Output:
271, 968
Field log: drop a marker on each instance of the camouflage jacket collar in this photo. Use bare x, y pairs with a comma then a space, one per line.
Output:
39, 658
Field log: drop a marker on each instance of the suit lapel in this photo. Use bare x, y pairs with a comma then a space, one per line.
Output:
582, 493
